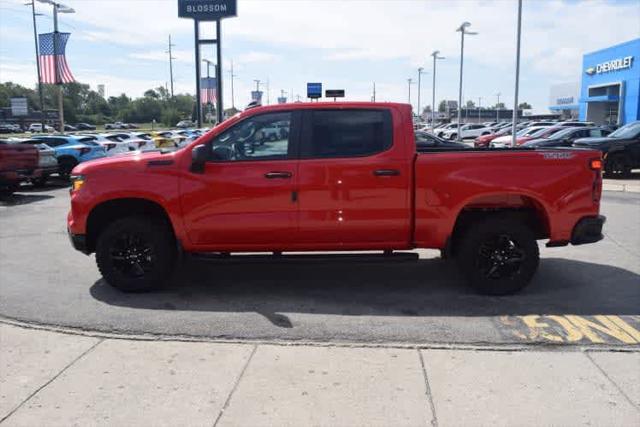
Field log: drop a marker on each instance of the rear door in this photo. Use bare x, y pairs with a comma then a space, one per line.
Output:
353, 179
245, 199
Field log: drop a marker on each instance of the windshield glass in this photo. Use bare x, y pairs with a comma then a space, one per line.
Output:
627, 131
546, 132
562, 132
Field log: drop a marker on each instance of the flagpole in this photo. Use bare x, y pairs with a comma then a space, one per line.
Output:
35, 38
56, 68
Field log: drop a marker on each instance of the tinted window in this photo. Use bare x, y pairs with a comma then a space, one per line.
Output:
596, 133
347, 133
256, 138
54, 142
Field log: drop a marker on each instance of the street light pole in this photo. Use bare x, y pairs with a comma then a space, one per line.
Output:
410, 82
479, 102
171, 58
498, 108
35, 38
420, 73
435, 54
515, 98
463, 31
233, 101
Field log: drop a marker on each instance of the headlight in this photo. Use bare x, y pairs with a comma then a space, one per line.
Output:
77, 182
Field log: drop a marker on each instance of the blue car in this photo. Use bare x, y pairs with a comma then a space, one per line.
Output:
72, 150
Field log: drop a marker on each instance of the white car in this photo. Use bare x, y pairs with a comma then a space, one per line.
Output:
467, 131
441, 130
37, 127
136, 140
112, 144
505, 141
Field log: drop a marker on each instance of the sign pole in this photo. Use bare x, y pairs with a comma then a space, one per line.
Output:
219, 112
196, 26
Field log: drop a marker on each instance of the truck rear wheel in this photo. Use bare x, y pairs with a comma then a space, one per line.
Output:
136, 254
499, 255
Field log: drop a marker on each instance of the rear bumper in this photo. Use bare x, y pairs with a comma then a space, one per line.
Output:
16, 176
588, 230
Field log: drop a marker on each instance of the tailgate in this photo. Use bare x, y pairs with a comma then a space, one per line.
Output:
18, 157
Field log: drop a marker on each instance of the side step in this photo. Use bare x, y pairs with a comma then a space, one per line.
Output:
278, 257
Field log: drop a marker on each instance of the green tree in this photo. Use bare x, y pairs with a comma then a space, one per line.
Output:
442, 107
524, 106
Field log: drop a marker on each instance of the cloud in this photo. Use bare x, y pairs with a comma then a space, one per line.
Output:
186, 56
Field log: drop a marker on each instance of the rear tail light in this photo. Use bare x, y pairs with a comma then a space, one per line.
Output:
595, 164
596, 190
84, 150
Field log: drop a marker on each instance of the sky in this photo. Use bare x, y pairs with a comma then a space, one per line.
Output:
346, 44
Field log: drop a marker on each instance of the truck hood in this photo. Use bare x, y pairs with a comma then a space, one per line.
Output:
134, 160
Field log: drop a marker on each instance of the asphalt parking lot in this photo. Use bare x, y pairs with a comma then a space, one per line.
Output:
587, 295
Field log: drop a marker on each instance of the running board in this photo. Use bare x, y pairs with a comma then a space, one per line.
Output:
302, 257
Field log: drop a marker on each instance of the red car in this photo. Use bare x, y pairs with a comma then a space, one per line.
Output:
483, 140
346, 177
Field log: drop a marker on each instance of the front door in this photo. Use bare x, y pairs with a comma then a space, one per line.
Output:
353, 180
245, 198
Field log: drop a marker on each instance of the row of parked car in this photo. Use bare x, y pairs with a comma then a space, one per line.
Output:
36, 158
620, 147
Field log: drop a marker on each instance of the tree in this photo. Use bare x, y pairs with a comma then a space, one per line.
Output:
470, 104
524, 106
442, 107
500, 105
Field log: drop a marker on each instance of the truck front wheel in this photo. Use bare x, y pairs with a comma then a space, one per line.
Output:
136, 254
498, 255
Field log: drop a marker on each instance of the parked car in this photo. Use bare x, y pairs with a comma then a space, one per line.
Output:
47, 161
352, 181
483, 141
185, 124
9, 128
37, 127
621, 149
566, 136
167, 139
85, 126
275, 131
112, 144
18, 163
570, 123
71, 151
521, 137
67, 127
134, 141
428, 141
467, 131
441, 130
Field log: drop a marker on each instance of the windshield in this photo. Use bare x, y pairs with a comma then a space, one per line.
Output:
627, 131
546, 132
562, 133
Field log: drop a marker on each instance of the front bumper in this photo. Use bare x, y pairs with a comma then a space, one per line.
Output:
588, 230
78, 241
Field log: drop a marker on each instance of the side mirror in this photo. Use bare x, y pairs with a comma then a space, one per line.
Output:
199, 157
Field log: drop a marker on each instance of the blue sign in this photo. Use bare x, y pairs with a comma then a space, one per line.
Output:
314, 90
206, 10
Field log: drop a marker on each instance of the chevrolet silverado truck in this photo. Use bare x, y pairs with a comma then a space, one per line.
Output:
348, 177
18, 163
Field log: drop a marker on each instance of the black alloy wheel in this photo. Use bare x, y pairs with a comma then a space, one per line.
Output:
500, 257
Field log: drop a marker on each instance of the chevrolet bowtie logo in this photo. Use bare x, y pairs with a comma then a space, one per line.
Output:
590, 71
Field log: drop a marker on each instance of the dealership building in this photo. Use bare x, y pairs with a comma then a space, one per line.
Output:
609, 90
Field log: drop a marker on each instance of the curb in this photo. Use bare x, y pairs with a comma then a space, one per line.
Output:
627, 188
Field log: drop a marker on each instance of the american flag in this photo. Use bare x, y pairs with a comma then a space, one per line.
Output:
52, 53
208, 90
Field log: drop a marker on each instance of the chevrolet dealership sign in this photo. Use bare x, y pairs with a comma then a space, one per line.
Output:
609, 66
206, 10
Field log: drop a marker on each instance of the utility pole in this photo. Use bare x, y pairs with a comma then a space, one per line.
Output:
257, 89
435, 54
171, 58
498, 107
268, 95
373, 99
410, 82
479, 103
233, 101
35, 38
420, 73
463, 31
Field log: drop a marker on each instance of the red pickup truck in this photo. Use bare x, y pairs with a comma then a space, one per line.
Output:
342, 177
18, 163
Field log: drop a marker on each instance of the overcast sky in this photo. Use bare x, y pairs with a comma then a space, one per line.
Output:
345, 44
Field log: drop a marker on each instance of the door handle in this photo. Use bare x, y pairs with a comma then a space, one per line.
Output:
386, 172
278, 175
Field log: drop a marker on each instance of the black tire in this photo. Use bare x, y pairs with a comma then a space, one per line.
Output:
136, 254
616, 167
65, 166
498, 255
40, 182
